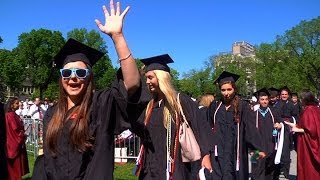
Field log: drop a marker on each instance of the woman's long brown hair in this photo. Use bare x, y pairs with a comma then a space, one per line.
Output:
79, 130
235, 102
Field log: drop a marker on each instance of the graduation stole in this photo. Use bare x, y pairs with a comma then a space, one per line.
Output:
170, 161
140, 158
272, 117
238, 138
262, 112
265, 112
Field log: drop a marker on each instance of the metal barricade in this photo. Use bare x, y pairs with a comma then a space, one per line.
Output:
126, 147
33, 130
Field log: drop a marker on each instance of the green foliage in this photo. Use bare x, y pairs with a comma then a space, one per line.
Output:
197, 82
12, 71
35, 52
293, 59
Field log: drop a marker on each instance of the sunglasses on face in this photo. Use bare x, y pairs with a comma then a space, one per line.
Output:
80, 73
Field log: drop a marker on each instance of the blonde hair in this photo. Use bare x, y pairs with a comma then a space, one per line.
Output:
171, 107
205, 100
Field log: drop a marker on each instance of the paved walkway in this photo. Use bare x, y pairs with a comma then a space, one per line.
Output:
293, 167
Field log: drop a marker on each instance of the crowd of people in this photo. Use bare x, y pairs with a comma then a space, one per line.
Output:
79, 128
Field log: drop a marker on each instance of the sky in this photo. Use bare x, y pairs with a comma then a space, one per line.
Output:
190, 31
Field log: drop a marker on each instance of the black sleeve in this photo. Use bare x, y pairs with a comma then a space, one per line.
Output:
276, 115
39, 172
200, 126
252, 135
137, 109
294, 111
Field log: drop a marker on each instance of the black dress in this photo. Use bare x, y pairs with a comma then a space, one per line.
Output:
154, 137
3, 159
225, 131
108, 116
287, 112
265, 167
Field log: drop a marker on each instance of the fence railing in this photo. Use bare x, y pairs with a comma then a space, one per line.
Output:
33, 130
127, 144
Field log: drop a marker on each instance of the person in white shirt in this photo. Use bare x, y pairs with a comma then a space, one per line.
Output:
36, 111
19, 111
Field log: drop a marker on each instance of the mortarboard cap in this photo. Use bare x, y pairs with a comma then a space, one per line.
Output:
272, 89
74, 50
227, 76
157, 63
262, 92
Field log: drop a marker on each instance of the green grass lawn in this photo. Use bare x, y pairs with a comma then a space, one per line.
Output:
121, 172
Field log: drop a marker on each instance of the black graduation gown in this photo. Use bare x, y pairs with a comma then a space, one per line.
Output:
266, 165
3, 159
108, 116
154, 140
287, 111
225, 130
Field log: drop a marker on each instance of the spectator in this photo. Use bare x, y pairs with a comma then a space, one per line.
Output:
308, 137
36, 110
17, 159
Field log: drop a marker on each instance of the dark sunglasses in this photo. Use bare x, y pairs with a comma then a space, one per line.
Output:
80, 73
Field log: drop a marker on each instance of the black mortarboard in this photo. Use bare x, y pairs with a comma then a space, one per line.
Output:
262, 92
227, 76
157, 63
74, 50
274, 91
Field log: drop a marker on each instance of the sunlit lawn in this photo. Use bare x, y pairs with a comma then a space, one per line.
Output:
121, 172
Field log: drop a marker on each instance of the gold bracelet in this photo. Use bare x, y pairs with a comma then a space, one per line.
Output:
119, 60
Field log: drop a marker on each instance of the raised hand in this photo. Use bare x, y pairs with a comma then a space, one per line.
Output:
113, 20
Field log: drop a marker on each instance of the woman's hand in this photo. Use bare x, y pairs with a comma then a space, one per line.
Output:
294, 127
206, 162
113, 20
290, 124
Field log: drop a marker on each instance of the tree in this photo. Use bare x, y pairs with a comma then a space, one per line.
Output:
293, 59
104, 72
11, 70
35, 52
303, 44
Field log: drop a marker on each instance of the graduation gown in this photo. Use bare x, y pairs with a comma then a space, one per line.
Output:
154, 136
17, 159
308, 153
266, 166
108, 116
287, 112
3, 159
226, 146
